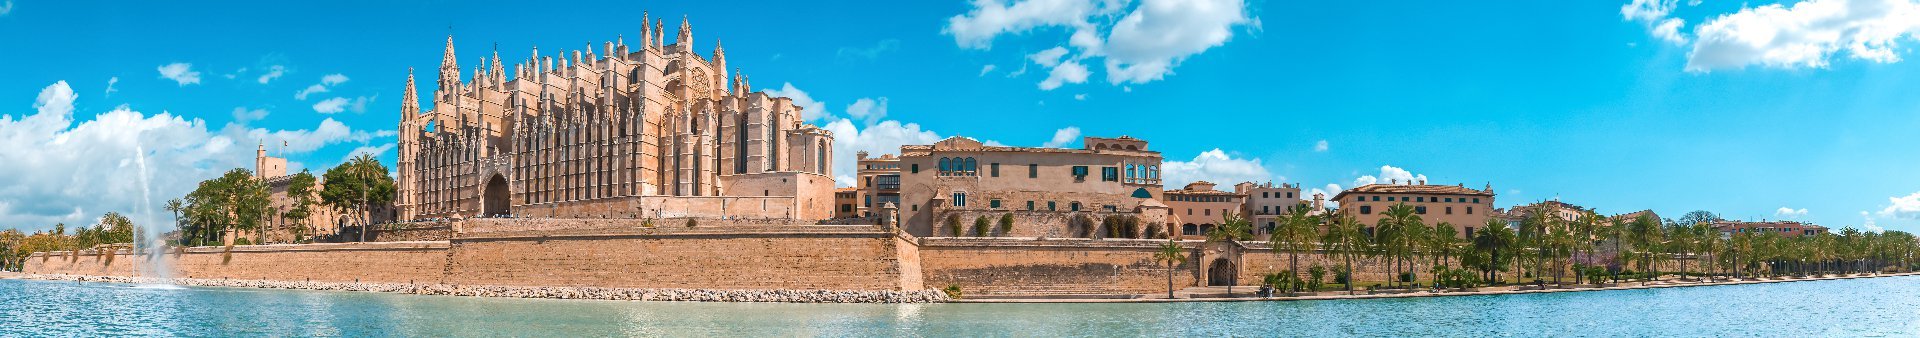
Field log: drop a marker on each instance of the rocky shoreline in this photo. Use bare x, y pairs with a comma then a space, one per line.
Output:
551, 292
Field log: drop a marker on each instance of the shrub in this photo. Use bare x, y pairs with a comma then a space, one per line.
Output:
646, 222
692, 223
1153, 231
1317, 274
1342, 275
1006, 223
1110, 226
952, 291
981, 226
1406, 277
1130, 227
953, 225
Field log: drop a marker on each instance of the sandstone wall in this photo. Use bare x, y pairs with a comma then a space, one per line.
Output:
800, 258
1020, 267
389, 262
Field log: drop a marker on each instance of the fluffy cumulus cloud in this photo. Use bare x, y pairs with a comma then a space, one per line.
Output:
244, 115
1320, 146
273, 73
1138, 42
868, 109
1787, 35
180, 72
1907, 207
329, 106
1389, 175
1063, 137
63, 170
1868, 223
1214, 166
810, 110
1790, 213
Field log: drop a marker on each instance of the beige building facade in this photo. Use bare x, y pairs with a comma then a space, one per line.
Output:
648, 131
1465, 209
1043, 187
877, 183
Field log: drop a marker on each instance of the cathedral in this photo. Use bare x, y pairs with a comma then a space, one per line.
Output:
649, 131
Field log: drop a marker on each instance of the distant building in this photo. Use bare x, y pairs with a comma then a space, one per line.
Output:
878, 183
1552, 208
1043, 187
1266, 202
1784, 228
1197, 207
844, 202
1466, 209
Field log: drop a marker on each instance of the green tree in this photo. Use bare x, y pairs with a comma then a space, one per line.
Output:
1231, 231
358, 185
1394, 235
301, 188
1493, 248
1344, 237
1644, 231
1294, 234
1172, 254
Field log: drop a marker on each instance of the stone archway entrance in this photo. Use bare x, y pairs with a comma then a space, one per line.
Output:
495, 201
1221, 272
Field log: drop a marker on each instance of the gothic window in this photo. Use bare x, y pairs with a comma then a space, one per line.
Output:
943, 166
820, 158
740, 146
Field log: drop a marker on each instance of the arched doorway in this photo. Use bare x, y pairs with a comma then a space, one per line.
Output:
494, 201
1221, 272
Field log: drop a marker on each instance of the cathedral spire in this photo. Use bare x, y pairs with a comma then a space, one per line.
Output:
498, 73
659, 33
409, 100
646, 31
685, 39
449, 70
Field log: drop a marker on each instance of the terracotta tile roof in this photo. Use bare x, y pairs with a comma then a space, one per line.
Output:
1412, 189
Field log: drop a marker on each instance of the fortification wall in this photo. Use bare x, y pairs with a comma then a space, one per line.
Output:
387, 262
1020, 267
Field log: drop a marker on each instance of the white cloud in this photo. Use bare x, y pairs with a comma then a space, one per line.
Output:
110, 82
1648, 10
1790, 213
1907, 207
1080, 97
273, 73
1144, 44
310, 90
1063, 137
1065, 72
868, 110
179, 72
55, 166
1389, 175
990, 18
1669, 30
1868, 223
1214, 166
368, 150
1326, 192
986, 69
1050, 57
6, 7
809, 109
330, 106
884, 137
325, 85
1805, 34
1320, 146
244, 115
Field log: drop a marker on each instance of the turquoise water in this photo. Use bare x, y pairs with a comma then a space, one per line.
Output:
1865, 307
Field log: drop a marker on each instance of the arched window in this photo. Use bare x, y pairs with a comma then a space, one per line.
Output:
820, 160
1153, 172
943, 166
1130, 171
971, 166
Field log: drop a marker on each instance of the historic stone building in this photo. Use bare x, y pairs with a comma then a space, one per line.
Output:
649, 131
1464, 208
1043, 188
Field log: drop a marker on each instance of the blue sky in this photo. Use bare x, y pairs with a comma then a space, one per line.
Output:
1790, 110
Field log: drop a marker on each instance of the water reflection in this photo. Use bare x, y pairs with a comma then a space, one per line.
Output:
1869, 307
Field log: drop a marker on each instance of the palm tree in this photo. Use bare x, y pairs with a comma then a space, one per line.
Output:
1295, 234
1492, 248
1231, 230
1644, 232
1344, 235
175, 206
1440, 243
1173, 255
1391, 236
